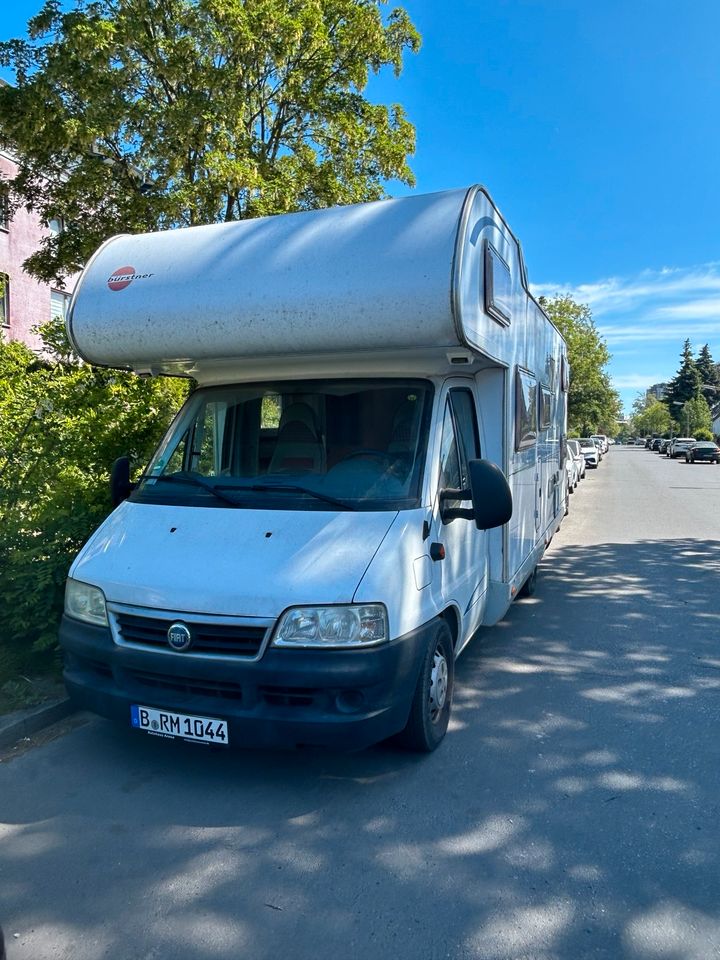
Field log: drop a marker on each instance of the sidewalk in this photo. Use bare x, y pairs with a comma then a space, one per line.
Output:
23, 723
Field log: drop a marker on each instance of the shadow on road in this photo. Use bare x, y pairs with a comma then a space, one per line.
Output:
571, 813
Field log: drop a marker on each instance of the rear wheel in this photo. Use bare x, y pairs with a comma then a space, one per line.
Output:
432, 700
528, 588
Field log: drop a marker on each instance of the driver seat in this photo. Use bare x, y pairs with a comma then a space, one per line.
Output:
298, 447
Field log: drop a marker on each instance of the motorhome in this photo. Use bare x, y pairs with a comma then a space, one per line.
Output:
368, 470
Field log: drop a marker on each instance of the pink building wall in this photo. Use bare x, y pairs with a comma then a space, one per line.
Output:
29, 300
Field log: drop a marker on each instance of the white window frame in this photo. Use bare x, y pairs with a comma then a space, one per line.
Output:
495, 264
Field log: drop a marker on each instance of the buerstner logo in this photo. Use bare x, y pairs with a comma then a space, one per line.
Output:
124, 276
179, 636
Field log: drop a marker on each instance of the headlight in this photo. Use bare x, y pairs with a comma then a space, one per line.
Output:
340, 626
84, 602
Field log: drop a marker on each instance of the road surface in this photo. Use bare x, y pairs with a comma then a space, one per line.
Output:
571, 813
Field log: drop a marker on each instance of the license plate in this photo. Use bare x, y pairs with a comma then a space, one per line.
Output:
163, 723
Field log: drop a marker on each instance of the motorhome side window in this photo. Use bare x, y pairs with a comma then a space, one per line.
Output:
315, 445
545, 408
564, 375
525, 409
498, 286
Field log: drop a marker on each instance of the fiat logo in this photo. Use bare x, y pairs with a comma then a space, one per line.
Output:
179, 636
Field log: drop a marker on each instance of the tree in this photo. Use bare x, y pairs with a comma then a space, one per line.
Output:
654, 419
593, 405
709, 375
685, 385
696, 416
132, 115
707, 368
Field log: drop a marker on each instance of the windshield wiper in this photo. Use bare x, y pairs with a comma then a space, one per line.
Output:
195, 482
296, 488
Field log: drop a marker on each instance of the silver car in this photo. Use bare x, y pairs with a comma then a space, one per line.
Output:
678, 446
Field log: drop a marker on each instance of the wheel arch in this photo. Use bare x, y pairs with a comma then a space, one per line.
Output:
451, 616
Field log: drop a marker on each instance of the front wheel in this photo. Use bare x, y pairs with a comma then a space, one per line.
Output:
432, 700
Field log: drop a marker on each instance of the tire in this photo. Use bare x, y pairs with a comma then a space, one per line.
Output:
528, 588
432, 700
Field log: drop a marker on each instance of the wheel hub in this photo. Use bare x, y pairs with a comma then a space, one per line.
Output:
438, 685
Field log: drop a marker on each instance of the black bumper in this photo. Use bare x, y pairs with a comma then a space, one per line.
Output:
337, 698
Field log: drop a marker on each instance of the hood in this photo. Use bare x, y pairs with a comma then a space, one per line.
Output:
231, 562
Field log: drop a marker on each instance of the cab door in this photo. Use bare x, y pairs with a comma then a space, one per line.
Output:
461, 577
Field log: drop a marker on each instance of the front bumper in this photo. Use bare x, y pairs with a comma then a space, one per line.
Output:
338, 698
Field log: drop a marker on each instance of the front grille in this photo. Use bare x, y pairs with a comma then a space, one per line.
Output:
196, 686
235, 639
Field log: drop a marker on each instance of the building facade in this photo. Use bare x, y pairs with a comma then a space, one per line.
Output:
24, 301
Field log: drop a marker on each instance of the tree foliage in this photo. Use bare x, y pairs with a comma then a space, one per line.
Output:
695, 416
132, 115
707, 368
593, 405
686, 383
652, 419
62, 424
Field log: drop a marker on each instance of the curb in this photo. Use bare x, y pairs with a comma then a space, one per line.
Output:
30, 721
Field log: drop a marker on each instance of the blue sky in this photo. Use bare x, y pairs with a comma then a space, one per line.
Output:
596, 129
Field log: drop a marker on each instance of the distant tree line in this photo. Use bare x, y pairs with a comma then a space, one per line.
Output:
688, 402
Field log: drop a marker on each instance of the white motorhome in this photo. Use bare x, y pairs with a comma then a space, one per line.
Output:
369, 470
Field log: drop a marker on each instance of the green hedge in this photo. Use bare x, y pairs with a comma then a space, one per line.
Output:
62, 424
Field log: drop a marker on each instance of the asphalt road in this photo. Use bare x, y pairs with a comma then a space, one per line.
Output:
571, 813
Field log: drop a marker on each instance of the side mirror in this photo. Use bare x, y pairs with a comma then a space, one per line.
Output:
492, 504
120, 486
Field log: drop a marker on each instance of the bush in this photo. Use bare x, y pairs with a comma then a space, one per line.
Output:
62, 424
703, 434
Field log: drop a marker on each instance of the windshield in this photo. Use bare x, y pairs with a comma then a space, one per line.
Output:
315, 445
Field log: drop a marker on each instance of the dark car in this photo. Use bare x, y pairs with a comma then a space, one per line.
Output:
702, 451
663, 446
655, 445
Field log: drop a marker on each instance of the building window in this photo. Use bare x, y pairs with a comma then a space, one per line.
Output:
4, 300
59, 303
4, 209
56, 226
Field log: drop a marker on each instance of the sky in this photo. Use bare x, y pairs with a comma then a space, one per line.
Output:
596, 129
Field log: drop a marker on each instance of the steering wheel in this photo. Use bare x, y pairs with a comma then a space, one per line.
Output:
370, 454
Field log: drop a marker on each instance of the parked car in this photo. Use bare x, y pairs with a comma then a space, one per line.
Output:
678, 446
572, 473
640, 442
590, 451
704, 451
630, 441
664, 444
604, 446
574, 449
655, 445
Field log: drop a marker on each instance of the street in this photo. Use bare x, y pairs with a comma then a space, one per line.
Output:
571, 813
